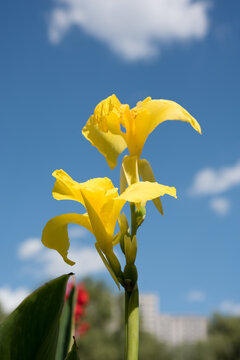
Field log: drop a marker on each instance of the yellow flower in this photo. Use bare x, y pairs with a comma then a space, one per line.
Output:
114, 126
103, 205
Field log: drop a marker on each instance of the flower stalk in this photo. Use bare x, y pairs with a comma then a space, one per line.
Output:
131, 300
131, 324
112, 128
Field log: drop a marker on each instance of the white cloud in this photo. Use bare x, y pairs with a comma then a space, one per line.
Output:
29, 248
220, 205
134, 29
211, 182
230, 307
76, 232
87, 262
10, 299
196, 296
48, 263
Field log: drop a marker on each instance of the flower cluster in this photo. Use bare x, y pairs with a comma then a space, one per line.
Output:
112, 128
82, 299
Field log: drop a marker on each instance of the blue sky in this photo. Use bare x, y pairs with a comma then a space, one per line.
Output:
57, 62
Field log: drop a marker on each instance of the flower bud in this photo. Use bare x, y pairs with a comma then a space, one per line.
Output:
130, 247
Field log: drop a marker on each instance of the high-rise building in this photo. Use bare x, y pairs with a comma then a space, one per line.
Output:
173, 329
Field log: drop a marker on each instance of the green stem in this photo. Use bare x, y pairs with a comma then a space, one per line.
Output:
133, 220
126, 323
132, 306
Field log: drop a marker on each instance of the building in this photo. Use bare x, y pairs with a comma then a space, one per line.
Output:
170, 328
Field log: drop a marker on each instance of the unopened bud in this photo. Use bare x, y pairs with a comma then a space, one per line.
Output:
130, 247
123, 223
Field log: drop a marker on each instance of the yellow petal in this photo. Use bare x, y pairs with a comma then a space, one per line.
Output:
110, 213
146, 173
148, 114
65, 188
103, 130
108, 144
123, 180
55, 233
93, 205
144, 190
130, 169
162, 110
138, 132
107, 115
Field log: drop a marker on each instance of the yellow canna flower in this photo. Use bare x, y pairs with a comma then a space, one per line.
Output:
114, 126
103, 204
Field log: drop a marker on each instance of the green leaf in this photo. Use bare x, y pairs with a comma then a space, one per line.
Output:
73, 355
66, 327
31, 331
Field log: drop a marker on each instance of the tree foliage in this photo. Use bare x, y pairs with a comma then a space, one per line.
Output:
105, 339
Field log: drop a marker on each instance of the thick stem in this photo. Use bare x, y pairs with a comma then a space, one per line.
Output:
132, 324
132, 306
126, 324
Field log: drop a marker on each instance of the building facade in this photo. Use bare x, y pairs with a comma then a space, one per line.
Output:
170, 328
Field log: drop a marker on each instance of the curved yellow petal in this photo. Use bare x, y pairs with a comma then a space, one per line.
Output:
145, 190
110, 213
65, 188
55, 233
93, 205
103, 130
108, 144
146, 173
148, 114
162, 110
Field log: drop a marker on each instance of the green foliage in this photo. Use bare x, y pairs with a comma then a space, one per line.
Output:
31, 331
197, 351
223, 342
151, 348
2, 314
105, 339
66, 327
73, 354
224, 337
42, 323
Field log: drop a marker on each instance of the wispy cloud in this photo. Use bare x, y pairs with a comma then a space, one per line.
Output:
76, 232
43, 262
10, 299
196, 296
29, 248
220, 205
230, 307
135, 29
211, 182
